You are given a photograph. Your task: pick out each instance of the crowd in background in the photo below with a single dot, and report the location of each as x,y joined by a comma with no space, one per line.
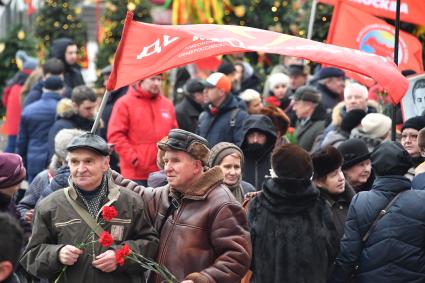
308,154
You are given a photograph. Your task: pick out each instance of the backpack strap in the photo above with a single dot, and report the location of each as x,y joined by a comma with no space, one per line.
380,215
233,116
84,214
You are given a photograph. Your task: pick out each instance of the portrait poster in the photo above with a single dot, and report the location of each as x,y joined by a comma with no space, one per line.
413,103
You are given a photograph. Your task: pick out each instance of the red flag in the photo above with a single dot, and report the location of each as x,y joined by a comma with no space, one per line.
411,11
353,28
147,49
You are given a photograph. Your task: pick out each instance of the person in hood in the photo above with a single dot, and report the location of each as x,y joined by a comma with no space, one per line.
80,116
293,236
259,138
139,120
391,250
66,50
247,77
222,121
311,116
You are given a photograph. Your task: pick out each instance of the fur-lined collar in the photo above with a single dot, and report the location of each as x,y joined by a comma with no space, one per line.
209,180
339,111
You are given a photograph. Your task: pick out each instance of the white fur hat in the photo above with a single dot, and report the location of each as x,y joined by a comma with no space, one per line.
276,79
376,125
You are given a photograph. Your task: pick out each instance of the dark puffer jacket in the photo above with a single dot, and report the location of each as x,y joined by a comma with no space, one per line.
257,161
395,250
293,237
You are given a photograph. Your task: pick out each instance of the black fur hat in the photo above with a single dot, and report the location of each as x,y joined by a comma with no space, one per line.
325,161
291,161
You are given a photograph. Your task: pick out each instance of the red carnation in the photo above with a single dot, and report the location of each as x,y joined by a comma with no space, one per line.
105,239
109,212
121,254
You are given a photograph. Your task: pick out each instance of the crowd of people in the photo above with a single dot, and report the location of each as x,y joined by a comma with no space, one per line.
289,179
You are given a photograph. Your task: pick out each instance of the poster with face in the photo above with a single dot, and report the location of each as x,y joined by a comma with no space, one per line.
413,103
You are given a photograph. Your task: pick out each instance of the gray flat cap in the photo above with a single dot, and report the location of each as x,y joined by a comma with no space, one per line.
89,141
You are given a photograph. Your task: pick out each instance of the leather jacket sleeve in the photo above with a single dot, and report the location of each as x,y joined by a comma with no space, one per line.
232,243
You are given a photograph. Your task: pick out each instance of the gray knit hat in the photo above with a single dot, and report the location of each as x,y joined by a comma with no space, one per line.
221,150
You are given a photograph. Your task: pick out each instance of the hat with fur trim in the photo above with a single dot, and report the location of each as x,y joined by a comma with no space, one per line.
221,150
325,161
182,140
290,161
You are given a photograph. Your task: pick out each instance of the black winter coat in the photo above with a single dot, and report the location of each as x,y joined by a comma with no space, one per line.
293,237
187,114
257,161
395,249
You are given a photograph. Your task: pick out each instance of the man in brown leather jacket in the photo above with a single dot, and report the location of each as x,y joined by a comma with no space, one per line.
204,231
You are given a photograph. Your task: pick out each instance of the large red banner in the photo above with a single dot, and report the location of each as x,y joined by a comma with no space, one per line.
411,11
147,49
353,28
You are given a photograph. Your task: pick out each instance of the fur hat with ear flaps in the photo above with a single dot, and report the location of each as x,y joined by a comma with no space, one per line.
290,161
325,161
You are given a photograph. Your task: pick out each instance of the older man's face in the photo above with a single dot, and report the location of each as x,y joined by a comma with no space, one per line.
87,168
180,168
355,100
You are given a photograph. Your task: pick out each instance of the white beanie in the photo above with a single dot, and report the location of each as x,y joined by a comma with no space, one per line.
276,79
376,125
249,94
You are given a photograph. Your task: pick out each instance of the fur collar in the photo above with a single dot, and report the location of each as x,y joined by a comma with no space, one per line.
339,111
209,180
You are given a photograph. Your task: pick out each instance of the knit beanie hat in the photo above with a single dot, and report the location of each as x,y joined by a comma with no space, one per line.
277,79
27,62
12,170
390,158
352,119
290,161
376,125
417,123
353,151
221,150
53,83
325,161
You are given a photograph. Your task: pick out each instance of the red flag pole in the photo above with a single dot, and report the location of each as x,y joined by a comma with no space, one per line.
396,40
100,111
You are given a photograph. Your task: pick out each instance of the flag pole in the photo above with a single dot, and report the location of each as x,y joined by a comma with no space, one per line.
311,20
99,113
396,40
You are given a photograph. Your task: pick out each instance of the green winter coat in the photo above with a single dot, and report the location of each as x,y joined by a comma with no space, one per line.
57,224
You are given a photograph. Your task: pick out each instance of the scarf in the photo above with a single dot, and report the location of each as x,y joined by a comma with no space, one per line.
94,199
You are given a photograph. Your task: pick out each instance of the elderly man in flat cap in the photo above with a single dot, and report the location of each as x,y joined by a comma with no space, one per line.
66,217
204,229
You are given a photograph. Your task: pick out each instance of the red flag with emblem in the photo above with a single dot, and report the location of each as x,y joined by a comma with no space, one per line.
147,49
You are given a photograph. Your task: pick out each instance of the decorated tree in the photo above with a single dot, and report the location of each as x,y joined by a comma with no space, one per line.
112,24
16,39
60,18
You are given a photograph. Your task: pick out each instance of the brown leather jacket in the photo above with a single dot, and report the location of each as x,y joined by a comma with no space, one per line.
207,238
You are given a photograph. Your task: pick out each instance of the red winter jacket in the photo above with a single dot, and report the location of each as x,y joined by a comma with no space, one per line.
137,123
12,103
